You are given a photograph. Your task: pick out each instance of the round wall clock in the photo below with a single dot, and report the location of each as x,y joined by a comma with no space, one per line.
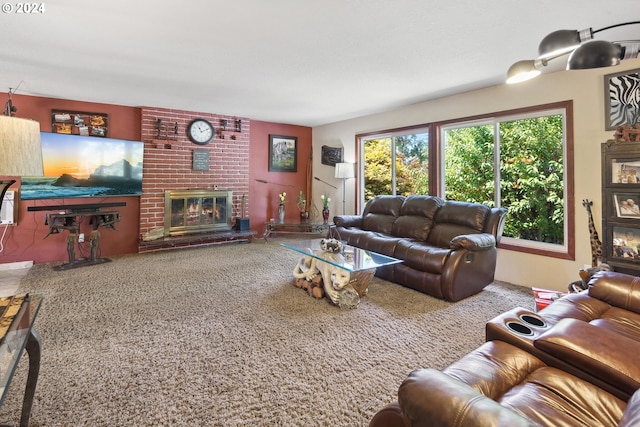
200,131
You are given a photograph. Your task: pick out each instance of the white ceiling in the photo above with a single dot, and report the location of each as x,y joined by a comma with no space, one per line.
304,62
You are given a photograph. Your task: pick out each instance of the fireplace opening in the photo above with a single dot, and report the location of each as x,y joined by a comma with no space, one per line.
197,211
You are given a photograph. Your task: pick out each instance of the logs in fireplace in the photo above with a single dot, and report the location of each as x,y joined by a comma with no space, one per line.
197,211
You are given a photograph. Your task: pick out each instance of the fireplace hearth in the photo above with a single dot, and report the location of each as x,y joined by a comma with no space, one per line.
197,211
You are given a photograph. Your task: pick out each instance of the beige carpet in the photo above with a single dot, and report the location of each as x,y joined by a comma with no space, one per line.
218,336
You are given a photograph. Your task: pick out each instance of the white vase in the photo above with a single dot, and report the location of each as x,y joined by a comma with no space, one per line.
281,213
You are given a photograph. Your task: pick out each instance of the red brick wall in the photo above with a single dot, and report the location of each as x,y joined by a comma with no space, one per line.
168,164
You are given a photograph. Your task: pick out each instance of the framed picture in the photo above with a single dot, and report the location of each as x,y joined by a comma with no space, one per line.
331,155
283,153
621,94
626,243
79,123
625,171
627,205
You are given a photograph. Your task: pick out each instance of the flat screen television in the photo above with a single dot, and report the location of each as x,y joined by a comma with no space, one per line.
84,166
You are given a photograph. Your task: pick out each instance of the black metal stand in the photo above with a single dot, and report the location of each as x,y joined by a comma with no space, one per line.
33,350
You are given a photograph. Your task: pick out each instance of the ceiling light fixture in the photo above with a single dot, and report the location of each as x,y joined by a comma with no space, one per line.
584,52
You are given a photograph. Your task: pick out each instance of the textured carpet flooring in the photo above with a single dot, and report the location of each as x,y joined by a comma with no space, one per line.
218,336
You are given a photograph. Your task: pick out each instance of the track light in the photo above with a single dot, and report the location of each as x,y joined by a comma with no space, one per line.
524,70
584,53
595,54
562,42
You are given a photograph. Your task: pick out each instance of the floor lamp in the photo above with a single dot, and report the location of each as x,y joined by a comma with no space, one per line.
344,171
20,150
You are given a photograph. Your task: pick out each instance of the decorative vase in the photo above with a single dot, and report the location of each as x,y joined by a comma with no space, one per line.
325,215
304,216
281,213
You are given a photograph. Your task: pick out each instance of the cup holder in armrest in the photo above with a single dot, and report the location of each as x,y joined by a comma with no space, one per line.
533,320
519,328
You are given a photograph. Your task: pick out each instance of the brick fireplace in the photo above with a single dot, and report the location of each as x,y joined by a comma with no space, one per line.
169,164
196,211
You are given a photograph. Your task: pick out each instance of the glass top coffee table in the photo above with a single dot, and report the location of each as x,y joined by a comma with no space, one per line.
346,274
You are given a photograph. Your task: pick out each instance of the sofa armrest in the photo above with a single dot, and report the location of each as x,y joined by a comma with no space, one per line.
606,355
495,222
429,397
348,221
473,242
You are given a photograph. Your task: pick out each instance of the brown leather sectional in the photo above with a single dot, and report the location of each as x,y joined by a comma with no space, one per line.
448,248
576,362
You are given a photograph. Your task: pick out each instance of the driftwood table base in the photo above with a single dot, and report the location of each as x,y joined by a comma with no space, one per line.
320,278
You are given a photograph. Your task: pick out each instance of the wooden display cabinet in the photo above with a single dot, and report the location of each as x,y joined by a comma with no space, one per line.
621,206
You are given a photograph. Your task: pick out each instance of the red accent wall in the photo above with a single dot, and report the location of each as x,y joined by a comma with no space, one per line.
264,197
28,241
234,164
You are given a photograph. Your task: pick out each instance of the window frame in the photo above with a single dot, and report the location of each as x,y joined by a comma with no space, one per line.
389,133
436,169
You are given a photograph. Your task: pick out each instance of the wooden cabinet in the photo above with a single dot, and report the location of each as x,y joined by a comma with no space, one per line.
621,206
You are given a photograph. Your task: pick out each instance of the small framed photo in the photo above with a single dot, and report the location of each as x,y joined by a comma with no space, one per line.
627,205
626,243
283,153
625,171
621,94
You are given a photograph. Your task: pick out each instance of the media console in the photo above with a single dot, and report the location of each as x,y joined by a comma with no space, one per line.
69,217
84,207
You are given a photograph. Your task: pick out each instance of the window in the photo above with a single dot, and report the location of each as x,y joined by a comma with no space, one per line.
521,160
396,163
515,161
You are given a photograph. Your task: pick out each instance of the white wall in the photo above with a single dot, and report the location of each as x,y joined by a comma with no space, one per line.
585,88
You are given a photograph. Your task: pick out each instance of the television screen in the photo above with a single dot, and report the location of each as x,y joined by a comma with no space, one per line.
83,166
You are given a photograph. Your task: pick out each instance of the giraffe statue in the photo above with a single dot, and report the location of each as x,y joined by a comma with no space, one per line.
596,244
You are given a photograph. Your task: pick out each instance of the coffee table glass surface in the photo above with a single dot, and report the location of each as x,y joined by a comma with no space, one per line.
353,259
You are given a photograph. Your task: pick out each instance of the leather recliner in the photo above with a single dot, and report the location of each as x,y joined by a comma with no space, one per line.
580,367
499,384
612,301
448,248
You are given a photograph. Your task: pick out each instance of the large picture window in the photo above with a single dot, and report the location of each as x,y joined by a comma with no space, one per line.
397,163
521,160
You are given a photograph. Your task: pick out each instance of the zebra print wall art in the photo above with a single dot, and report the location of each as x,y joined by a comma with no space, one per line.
622,99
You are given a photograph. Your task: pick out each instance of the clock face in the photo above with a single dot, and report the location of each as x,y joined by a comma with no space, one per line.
200,131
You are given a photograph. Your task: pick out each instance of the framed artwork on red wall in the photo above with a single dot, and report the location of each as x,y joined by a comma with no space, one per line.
283,153
79,123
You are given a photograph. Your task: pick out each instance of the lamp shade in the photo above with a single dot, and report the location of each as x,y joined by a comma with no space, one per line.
20,147
595,54
344,170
